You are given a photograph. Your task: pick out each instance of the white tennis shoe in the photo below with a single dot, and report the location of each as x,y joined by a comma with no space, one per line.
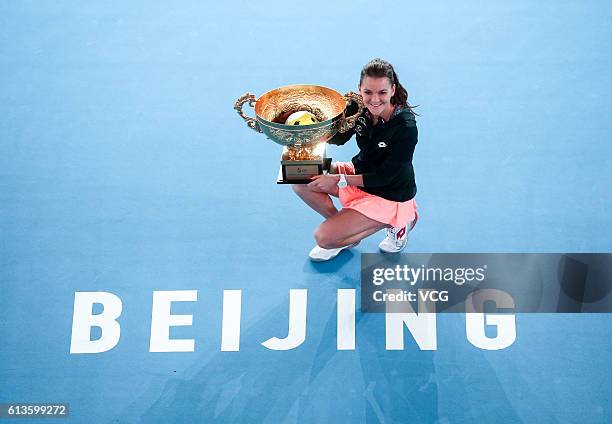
319,254
396,238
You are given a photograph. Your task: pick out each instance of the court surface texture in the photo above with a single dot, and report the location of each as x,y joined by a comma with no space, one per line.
125,169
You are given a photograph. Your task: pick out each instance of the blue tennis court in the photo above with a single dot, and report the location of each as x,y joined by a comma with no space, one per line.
124,169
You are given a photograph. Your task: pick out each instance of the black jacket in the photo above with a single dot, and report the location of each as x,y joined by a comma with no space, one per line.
385,154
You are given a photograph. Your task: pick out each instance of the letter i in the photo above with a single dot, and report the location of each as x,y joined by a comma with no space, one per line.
230,331
346,319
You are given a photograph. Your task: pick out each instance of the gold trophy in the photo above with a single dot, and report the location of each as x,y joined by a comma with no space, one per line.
301,118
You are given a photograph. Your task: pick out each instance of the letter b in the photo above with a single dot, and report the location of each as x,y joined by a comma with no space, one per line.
83,319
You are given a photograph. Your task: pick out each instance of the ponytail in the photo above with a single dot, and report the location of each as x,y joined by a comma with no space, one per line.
401,95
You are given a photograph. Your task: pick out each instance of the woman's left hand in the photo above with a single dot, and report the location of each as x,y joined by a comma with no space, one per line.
324,183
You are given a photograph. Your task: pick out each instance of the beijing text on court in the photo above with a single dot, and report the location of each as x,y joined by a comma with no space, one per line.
422,326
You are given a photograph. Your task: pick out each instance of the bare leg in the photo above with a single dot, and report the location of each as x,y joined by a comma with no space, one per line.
344,228
360,236
319,201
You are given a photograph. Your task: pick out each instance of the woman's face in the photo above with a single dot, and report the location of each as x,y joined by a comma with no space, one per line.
377,93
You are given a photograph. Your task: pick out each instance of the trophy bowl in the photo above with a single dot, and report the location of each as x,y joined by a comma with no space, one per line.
303,153
274,107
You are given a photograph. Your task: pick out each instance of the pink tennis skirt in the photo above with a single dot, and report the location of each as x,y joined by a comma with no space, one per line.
396,214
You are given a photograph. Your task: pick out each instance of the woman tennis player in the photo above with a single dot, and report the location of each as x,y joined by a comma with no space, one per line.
377,188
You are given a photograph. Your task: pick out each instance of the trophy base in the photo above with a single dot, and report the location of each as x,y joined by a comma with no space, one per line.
302,173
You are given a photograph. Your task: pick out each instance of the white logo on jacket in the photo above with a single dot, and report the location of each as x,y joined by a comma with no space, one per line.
382,144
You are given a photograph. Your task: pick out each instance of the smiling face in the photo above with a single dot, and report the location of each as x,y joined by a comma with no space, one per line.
377,94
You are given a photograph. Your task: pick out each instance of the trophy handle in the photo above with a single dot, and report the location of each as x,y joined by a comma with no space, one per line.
251,122
348,122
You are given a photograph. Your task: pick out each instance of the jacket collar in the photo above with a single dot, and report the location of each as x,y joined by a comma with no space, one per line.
396,112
